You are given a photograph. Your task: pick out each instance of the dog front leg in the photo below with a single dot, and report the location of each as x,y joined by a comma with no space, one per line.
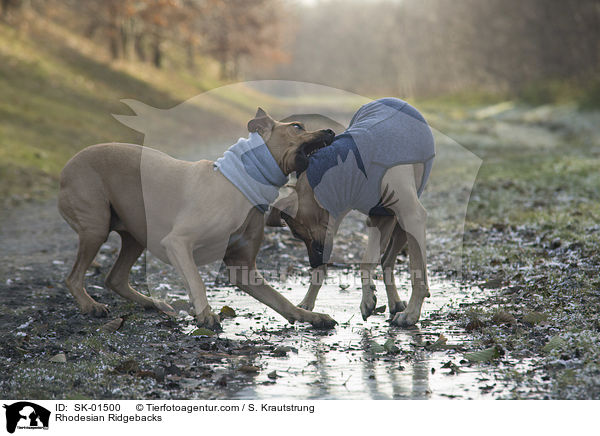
317,277
252,282
180,255
367,266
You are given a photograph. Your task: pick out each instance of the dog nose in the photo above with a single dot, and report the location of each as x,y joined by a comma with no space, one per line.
330,132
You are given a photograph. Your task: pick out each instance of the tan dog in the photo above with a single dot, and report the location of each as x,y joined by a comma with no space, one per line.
387,235
184,213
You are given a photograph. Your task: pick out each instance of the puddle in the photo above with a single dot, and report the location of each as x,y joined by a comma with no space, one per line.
341,364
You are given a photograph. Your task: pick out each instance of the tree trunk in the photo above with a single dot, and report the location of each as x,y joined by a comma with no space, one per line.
190,52
157,55
138,45
113,30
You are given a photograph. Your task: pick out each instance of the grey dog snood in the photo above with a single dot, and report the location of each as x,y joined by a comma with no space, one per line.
384,133
251,167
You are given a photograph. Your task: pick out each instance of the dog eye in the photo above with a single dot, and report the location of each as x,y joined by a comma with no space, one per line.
298,126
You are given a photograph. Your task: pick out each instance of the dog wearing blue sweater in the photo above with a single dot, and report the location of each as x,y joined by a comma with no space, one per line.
379,166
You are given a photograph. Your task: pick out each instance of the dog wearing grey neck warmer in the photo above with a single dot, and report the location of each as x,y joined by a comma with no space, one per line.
185,213
379,166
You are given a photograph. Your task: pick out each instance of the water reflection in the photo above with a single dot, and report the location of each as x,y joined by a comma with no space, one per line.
348,363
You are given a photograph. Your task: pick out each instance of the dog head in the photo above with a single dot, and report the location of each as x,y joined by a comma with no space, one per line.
307,220
289,143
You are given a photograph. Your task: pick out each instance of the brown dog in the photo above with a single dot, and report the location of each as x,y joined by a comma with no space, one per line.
184,213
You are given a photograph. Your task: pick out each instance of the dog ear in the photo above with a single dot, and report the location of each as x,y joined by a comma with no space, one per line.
261,124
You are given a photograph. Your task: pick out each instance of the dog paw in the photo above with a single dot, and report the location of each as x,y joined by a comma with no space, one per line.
164,307
397,307
208,319
404,319
367,304
96,309
323,321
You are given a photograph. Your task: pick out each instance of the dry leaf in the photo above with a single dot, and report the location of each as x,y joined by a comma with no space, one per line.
59,358
249,369
553,343
491,284
535,318
377,348
503,318
440,343
113,325
127,367
202,332
227,312
391,347
485,355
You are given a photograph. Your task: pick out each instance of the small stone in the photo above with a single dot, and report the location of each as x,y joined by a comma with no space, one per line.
272,375
222,381
249,369
281,351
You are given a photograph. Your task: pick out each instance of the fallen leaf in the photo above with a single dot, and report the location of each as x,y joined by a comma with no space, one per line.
281,351
491,284
502,317
554,343
113,325
201,331
380,309
534,318
391,347
249,369
227,312
129,366
377,348
439,343
454,369
484,355
59,358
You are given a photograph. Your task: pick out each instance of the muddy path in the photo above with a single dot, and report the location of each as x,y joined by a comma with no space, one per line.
258,355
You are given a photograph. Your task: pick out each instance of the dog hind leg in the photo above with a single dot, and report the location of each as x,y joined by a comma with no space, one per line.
118,277
380,229
89,216
89,244
388,261
411,216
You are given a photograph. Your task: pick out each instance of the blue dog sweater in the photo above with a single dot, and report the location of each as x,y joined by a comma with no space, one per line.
251,167
384,133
